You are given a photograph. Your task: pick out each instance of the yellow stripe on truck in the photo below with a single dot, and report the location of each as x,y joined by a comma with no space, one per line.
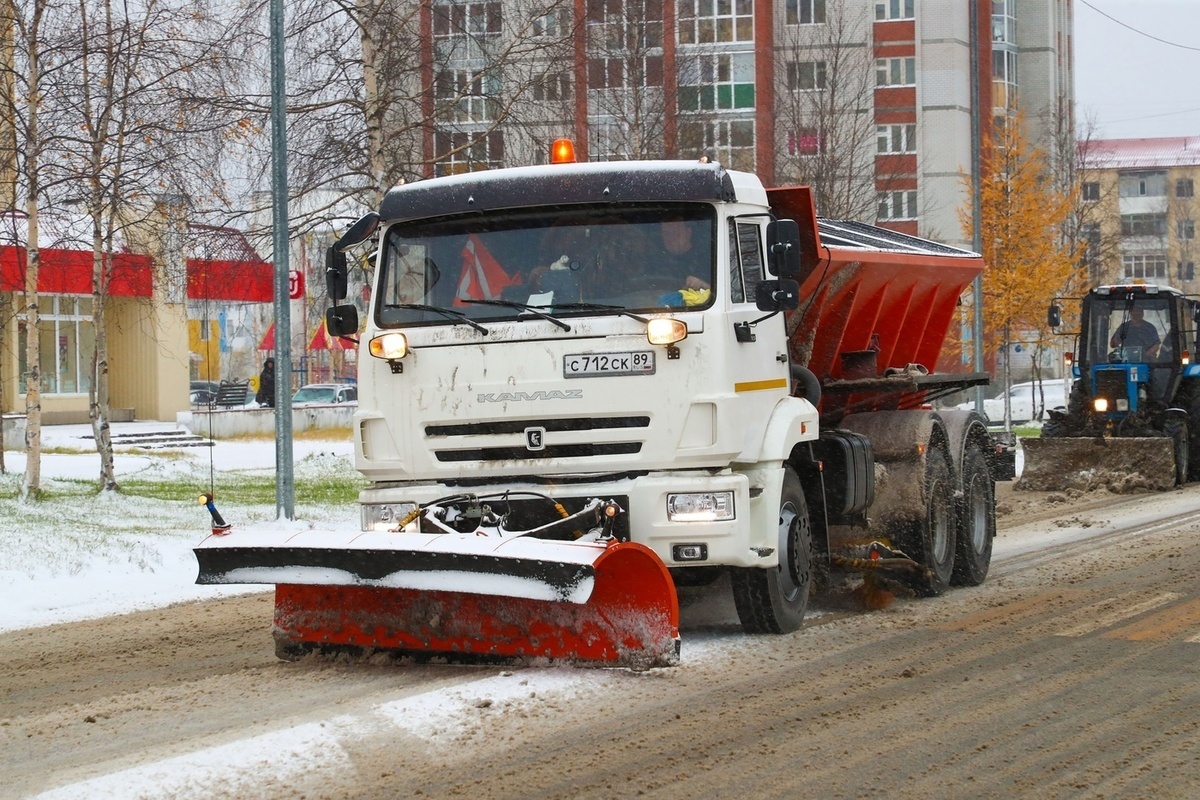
758,386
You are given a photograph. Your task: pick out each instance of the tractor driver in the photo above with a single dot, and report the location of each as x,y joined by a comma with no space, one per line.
1136,332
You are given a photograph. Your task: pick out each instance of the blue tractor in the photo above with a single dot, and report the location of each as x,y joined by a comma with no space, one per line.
1134,406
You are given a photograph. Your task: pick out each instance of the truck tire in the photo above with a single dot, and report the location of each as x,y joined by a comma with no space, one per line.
1193,409
774,600
931,541
976,516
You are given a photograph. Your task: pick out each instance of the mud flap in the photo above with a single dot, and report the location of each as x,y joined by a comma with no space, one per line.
1120,465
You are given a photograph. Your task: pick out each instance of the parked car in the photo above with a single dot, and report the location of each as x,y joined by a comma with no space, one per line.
1025,398
204,392
325,394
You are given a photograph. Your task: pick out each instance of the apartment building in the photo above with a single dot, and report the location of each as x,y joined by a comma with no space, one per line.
1140,197
870,101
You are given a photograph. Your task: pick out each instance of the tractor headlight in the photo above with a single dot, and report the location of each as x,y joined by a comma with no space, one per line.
386,516
1122,404
700,507
1101,405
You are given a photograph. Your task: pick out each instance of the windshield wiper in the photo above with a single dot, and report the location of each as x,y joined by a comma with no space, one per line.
534,310
600,307
459,317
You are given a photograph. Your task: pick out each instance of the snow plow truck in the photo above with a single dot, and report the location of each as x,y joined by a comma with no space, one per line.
1132,420
583,384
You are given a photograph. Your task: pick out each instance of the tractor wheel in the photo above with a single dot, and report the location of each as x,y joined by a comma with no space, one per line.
1180,444
1193,437
976,516
774,600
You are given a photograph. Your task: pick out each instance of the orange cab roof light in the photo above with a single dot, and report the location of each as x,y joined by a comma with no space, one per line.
562,152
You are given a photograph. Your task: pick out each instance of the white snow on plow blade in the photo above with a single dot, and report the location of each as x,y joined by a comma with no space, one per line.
433,580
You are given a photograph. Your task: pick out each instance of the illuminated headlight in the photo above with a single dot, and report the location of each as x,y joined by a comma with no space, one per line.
1122,405
385,516
665,330
1101,405
390,346
700,507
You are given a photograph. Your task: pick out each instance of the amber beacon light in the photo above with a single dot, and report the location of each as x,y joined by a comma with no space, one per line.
562,152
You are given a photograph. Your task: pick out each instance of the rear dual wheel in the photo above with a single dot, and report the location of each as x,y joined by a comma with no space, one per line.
774,600
932,541
976,513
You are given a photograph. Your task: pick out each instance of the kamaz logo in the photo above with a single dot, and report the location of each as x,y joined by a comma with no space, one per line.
520,397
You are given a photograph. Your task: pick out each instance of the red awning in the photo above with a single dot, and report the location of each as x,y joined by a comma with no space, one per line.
248,281
70,272
130,275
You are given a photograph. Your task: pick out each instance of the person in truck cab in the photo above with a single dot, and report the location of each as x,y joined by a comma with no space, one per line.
1137,332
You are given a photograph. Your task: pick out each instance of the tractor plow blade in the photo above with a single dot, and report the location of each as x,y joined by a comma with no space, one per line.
585,602
1120,465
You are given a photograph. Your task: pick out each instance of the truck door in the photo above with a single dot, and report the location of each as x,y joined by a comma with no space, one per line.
759,364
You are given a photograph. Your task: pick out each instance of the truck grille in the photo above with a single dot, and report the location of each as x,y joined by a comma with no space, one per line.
460,441
551,425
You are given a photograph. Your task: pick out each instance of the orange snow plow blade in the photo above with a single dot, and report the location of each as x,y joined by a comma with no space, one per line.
630,619
594,603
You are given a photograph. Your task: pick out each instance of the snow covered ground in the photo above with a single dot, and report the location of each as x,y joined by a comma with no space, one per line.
79,555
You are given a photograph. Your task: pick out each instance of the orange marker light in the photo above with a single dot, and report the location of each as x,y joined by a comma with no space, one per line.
562,152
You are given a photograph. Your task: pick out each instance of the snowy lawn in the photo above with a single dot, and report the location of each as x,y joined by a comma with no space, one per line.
80,554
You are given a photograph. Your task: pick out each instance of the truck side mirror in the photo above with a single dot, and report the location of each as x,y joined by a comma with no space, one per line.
783,248
341,320
781,295
335,274
1054,316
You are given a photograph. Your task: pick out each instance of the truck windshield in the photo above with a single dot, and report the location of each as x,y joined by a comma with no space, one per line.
632,257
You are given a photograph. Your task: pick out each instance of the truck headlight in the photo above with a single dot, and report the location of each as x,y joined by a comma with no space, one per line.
700,507
386,516
666,330
389,346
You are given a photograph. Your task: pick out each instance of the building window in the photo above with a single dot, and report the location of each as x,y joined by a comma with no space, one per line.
717,82
805,12
896,138
1186,229
896,72
550,24
703,21
552,86
898,205
459,152
1187,270
66,341
805,75
1143,184
469,95
893,9
1145,265
1184,188
1090,192
476,19
1143,224
1004,22
806,142
731,142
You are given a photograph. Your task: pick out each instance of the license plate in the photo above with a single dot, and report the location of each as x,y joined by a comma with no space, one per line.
588,365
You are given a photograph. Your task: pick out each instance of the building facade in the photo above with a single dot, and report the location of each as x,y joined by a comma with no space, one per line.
871,102
1140,197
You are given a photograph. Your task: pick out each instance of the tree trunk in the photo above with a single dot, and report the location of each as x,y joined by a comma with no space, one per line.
98,403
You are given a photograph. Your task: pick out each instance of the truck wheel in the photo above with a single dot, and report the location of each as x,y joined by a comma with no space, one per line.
976,513
774,600
1193,438
932,541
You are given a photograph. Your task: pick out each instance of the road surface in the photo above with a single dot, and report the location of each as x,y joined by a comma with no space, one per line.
1072,672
